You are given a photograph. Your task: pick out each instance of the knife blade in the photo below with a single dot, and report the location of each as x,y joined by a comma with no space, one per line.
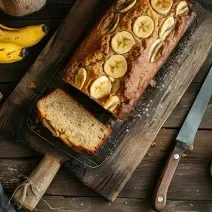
184,141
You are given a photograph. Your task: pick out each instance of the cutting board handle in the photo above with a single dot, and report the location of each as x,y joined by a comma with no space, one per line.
29,193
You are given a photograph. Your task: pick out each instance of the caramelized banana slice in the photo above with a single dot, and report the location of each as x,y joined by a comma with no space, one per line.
80,78
162,6
156,46
112,103
143,27
125,6
115,66
113,24
116,84
50,127
166,27
100,87
182,7
122,42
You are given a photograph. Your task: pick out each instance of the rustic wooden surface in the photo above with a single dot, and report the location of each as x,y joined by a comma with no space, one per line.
191,189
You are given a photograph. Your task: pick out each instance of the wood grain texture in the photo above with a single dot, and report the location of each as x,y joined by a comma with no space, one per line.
192,178
86,204
11,149
110,178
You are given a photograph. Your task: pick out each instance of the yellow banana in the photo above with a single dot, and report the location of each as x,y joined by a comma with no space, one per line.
10,52
25,37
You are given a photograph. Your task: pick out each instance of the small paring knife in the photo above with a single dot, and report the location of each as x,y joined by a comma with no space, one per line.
184,141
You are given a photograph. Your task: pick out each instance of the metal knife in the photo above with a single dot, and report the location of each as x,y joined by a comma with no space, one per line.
184,141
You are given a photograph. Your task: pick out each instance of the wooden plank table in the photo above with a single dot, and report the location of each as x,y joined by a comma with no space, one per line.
191,188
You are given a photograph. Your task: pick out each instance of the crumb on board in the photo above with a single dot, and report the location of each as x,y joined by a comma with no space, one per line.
32,85
153,144
153,83
185,156
177,62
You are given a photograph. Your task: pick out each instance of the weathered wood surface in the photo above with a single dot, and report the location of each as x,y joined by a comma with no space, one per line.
86,204
192,179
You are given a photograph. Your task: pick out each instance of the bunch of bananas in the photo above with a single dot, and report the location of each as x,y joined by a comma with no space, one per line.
13,41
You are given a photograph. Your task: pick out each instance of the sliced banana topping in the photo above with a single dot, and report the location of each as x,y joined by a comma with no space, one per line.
115,66
162,6
156,46
182,7
143,26
122,42
113,24
111,79
115,86
125,6
80,78
166,27
50,127
112,103
100,87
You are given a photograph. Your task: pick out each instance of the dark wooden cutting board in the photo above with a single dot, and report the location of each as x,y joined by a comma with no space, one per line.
112,175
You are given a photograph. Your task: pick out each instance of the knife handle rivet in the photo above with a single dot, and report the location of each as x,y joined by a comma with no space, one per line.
160,199
176,156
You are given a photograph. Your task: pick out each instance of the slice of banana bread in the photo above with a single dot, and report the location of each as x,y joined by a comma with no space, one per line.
70,122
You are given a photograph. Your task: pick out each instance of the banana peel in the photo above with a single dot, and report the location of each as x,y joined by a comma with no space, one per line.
24,37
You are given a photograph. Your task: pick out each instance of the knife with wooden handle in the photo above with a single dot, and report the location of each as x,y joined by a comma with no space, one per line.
184,141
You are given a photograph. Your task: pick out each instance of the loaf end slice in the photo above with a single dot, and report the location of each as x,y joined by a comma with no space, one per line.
72,123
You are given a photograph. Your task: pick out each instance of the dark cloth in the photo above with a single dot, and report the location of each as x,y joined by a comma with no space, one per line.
4,206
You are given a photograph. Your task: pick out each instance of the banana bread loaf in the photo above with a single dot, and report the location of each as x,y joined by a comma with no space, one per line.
124,51
70,122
